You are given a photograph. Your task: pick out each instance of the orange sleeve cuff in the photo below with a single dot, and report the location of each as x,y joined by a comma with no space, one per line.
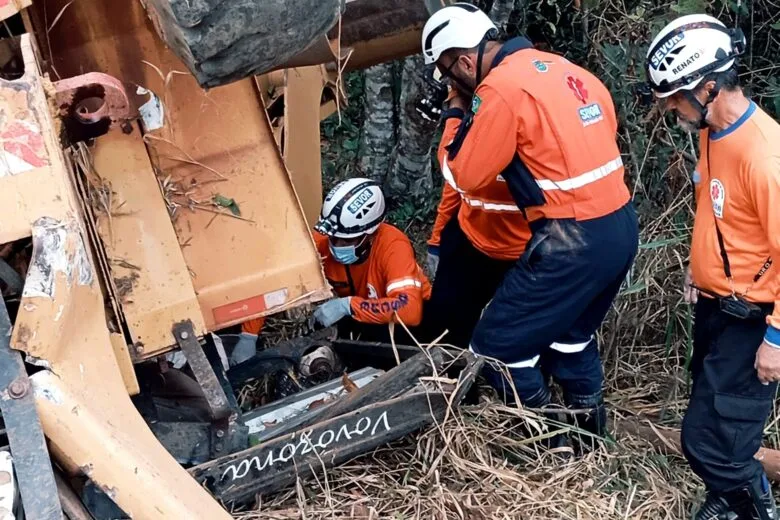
408,305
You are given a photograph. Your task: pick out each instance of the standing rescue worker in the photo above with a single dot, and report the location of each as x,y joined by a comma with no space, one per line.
547,129
736,344
475,241
370,264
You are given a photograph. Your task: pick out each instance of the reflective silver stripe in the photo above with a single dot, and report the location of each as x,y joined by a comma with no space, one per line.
490,206
571,348
400,284
528,363
583,179
447,174
471,201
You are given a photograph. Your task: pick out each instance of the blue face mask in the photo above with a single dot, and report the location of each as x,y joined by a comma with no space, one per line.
344,254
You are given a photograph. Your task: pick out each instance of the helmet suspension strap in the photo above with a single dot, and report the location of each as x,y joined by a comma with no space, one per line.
480,54
703,108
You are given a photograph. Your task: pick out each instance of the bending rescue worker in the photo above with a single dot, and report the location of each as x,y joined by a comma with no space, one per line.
546,129
370,264
736,344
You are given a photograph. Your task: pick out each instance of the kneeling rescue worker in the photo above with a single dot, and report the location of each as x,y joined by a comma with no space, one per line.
691,67
547,128
370,264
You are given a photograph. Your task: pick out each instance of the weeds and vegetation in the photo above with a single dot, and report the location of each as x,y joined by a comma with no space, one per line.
479,466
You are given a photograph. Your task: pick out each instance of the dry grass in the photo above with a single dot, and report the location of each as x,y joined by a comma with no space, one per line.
480,464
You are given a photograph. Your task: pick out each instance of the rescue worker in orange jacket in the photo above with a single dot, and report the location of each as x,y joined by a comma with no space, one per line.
370,264
547,128
471,248
691,67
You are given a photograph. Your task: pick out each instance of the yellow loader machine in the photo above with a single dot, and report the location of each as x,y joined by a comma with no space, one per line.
159,176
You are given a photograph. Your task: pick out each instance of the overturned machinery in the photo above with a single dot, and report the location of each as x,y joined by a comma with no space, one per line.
154,214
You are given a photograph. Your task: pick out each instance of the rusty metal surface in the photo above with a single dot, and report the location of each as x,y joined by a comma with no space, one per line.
28,446
213,143
151,278
201,367
378,31
90,104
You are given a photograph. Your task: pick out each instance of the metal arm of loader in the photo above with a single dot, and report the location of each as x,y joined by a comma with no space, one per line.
28,446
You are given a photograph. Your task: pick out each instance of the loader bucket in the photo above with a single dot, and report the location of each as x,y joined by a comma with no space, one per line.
239,246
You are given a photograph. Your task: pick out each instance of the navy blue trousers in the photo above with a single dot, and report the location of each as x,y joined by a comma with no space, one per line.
544,316
465,281
729,406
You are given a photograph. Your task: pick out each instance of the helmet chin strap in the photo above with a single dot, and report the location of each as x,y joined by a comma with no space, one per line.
363,249
463,85
703,108
480,55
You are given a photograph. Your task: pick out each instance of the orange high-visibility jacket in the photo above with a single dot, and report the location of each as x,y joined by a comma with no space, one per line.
254,326
738,183
559,119
389,281
497,228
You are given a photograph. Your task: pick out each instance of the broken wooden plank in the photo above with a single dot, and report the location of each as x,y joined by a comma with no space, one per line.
400,379
278,463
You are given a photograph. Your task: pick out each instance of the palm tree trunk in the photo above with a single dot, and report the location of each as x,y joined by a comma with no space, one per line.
410,174
378,136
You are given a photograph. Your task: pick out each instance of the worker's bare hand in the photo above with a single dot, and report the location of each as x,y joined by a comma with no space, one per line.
768,363
690,294
458,101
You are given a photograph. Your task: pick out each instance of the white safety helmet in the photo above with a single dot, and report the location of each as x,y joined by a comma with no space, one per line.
688,49
354,207
457,26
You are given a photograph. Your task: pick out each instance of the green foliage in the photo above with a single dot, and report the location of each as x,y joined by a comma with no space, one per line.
683,7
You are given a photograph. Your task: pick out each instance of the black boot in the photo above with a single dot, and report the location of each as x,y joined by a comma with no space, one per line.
591,418
557,420
764,507
751,502
554,420
715,507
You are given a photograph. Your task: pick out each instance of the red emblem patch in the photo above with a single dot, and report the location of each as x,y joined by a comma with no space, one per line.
578,87
715,191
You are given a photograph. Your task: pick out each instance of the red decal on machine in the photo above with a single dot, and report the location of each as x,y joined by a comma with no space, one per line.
236,311
23,148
